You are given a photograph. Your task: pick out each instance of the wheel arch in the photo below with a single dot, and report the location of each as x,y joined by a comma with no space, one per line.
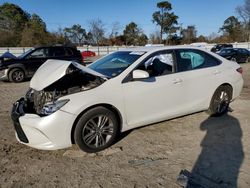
212,94
108,106
228,85
17,66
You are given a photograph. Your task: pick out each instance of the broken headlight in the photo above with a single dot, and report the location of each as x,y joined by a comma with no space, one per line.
52,107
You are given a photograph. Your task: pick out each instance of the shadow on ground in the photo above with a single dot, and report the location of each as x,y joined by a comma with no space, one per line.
222,154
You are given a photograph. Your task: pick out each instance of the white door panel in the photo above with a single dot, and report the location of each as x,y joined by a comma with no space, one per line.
153,100
199,85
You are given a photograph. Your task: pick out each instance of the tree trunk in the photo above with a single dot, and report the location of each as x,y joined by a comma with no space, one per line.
161,33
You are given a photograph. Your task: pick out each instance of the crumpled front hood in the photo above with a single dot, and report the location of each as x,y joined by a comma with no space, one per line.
53,70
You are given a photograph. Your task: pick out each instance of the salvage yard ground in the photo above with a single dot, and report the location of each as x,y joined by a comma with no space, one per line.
216,150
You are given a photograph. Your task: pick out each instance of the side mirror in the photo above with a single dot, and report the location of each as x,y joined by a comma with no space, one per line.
140,74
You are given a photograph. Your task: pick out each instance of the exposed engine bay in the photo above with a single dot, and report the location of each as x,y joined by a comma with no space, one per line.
75,80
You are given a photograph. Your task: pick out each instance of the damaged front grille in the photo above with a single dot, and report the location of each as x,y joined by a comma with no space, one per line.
40,98
73,82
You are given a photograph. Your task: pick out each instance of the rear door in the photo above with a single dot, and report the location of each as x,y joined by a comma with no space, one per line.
58,53
64,53
200,73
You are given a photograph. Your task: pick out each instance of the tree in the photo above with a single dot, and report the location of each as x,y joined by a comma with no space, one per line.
244,14
189,34
232,28
201,38
18,27
115,31
76,33
155,38
12,21
166,19
131,33
13,17
142,39
34,32
97,30
134,35
89,38
58,37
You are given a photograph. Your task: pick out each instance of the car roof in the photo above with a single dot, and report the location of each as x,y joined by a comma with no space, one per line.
36,47
158,48
241,48
229,48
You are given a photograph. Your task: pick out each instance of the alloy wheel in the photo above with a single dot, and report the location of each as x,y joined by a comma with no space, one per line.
221,102
18,76
97,131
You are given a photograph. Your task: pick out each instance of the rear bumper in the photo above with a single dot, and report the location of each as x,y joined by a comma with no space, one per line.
238,86
48,133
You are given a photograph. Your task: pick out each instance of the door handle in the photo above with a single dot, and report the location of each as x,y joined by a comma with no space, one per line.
217,72
177,81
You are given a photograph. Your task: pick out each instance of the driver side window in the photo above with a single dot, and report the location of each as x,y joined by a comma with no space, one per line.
39,53
159,64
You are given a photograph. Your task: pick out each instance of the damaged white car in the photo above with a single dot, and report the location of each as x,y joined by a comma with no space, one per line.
89,106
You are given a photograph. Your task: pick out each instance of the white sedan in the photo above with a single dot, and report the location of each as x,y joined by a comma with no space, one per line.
89,106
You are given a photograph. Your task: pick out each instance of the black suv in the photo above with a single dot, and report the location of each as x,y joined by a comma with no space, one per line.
219,47
24,66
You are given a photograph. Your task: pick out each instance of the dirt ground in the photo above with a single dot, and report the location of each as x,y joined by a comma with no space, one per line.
215,150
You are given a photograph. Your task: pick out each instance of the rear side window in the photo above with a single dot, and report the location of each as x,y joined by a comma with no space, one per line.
58,52
244,51
68,52
191,59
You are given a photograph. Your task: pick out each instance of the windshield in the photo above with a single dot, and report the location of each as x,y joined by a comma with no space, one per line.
115,63
25,53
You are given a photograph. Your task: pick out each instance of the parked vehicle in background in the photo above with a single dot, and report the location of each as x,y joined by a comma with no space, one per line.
87,54
239,55
24,66
126,89
7,55
199,44
219,47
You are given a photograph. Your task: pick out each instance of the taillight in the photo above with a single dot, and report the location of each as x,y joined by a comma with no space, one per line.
240,70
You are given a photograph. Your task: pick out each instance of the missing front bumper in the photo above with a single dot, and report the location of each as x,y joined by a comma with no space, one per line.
17,111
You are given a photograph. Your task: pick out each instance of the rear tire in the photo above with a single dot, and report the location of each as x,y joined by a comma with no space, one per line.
233,59
220,101
16,75
96,130
248,60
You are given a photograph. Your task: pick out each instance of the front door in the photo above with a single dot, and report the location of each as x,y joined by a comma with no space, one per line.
156,98
35,59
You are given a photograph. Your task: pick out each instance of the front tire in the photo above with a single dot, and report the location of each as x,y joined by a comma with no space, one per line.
220,101
16,75
96,130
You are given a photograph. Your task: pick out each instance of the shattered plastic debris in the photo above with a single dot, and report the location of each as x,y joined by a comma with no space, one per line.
183,177
187,179
146,161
